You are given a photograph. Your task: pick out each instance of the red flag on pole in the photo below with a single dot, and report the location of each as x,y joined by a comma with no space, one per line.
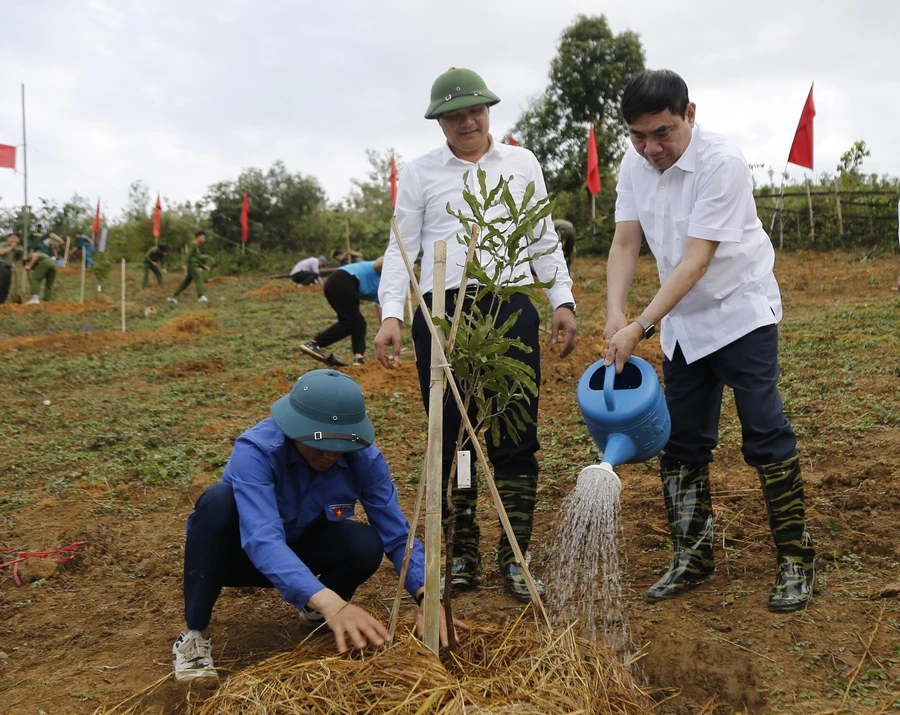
7,157
802,148
245,218
512,141
157,216
593,164
393,183
97,220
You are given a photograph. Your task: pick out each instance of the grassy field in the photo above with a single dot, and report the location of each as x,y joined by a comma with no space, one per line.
108,436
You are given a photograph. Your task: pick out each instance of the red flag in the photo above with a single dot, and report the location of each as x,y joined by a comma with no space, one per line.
593,164
157,216
245,218
7,157
97,220
802,147
393,183
512,141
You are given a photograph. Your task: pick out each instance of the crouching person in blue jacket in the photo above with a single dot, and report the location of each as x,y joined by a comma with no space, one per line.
281,517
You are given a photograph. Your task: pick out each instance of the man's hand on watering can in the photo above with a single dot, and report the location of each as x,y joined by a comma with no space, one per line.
614,323
621,346
564,322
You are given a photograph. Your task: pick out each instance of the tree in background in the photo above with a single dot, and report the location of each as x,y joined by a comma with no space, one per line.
587,78
368,205
286,215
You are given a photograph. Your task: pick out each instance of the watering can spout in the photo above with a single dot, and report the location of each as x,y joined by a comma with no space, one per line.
599,474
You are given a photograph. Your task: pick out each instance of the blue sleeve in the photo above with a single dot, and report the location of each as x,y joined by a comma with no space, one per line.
252,478
379,499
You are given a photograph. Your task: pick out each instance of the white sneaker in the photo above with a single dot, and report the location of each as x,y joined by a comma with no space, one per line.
172,300
192,657
35,300
202,299
311,617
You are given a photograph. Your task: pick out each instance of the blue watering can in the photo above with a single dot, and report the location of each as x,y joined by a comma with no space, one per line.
626,414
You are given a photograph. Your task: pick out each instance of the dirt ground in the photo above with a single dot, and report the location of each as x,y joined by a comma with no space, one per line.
98,630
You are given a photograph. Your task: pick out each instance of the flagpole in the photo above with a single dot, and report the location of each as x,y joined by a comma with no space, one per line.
26,214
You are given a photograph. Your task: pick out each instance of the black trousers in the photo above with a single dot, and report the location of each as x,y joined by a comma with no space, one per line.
305,278
5,280
342,294
749,366
343,554
508,458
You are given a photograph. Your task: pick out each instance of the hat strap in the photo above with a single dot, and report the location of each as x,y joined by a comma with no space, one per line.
316,436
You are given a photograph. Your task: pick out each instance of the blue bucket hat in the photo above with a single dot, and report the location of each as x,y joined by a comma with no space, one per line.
325,410
322,259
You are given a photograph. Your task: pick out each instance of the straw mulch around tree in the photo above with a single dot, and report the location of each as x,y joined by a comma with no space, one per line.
520,669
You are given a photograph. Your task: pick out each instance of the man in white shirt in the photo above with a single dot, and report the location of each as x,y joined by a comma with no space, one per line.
690,192
306,271
460,103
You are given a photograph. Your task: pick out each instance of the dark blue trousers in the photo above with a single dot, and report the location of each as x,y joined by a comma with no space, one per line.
508,458
343,554
749,366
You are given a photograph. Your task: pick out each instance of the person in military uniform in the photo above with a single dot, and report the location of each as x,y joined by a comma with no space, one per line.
460,103
566,232
152,260
690,192
196,264
43,269
10,251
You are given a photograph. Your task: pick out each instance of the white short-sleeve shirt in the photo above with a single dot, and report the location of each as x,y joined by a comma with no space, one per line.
310,264
706,194
432,182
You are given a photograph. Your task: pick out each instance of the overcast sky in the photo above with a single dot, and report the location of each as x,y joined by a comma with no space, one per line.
184,94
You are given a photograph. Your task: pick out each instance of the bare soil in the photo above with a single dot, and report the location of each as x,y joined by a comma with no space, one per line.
99,629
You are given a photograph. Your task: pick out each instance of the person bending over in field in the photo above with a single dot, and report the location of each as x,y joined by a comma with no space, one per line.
282,518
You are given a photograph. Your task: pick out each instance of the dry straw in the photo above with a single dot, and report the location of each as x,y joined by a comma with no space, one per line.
519,669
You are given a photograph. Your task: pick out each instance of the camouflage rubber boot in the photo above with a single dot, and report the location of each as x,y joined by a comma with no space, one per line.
783,490
518,493
689,508
466,561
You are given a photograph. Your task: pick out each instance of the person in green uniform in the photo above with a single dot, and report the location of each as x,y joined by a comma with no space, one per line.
43,268
152,260
196,264
566,232
9,252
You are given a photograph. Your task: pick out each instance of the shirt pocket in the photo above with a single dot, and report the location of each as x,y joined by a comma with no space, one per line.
340,511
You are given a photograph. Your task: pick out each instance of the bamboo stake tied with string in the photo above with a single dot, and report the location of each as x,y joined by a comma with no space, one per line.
123,295
470,430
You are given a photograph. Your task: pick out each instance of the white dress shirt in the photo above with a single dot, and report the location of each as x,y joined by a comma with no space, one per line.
307,264
432,181
706,194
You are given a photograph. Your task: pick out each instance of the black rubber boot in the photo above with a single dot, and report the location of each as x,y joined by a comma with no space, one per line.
783,489
689,508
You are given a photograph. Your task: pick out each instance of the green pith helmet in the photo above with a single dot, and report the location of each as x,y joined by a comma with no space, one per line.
458,88
325,410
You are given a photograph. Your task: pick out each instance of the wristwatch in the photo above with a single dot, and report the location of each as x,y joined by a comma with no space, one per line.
648,327
569,306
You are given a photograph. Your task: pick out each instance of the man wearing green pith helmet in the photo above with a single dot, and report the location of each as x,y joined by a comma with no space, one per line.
460,102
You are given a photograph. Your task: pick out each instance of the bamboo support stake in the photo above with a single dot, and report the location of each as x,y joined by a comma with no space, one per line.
347,237
837,201
812,223
479,452
434,459
409,305
66,254
83,269
123,295
454,328
410,537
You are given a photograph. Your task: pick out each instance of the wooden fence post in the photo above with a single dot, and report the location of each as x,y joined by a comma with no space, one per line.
837,199
812,222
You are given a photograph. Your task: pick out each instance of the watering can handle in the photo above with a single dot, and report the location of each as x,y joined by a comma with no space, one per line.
608,392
